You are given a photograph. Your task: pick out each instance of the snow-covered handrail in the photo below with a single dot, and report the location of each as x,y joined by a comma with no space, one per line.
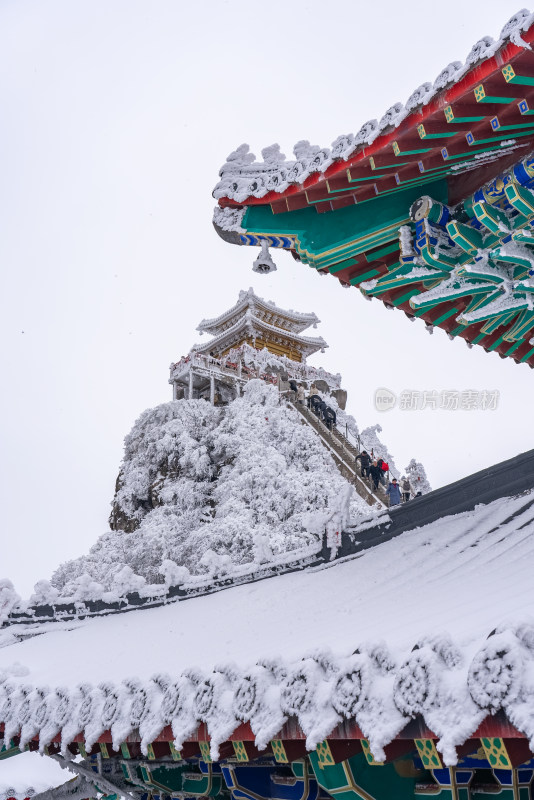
254,364
346,462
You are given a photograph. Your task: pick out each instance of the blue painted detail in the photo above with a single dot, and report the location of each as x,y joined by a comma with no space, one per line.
247,783
495,124
504,776
470,138
463,777
205,768
444,776
444,216
524,172
444,153
474,761
523,107
421,166
283,242
268,781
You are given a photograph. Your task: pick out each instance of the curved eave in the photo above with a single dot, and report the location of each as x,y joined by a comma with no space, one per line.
384,143
299,321
307,344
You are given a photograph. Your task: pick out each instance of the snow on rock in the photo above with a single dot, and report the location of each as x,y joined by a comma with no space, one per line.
202,491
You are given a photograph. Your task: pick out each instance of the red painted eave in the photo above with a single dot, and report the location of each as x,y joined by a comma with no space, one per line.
478,74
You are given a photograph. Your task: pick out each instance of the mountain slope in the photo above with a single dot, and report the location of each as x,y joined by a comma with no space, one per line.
210,488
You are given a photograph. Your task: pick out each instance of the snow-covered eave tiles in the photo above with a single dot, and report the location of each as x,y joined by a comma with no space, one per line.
245,181
300,321
308,343
449,653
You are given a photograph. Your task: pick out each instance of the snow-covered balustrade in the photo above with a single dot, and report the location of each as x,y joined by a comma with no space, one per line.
254,338
246,362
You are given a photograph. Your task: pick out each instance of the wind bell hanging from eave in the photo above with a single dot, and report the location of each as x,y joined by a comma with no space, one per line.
264,263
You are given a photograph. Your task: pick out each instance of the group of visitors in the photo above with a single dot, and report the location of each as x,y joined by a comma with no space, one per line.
315,403
376,470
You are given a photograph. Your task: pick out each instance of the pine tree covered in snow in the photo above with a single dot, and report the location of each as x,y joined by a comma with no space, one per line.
415,472
204,489
371,443
8,598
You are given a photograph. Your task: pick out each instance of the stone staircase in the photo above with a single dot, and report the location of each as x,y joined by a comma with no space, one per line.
344,454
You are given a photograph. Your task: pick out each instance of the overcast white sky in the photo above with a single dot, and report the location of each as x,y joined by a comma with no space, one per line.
115,118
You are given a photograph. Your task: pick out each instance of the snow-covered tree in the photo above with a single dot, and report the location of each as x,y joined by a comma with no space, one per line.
125,581
415,472
43,594
9,598
371,443
173,573
239,485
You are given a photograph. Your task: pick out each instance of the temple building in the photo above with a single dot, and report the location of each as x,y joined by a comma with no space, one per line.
430,209
399,664
253,339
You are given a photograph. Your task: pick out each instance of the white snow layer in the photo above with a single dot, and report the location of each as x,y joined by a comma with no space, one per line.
437,622
212,490
28,774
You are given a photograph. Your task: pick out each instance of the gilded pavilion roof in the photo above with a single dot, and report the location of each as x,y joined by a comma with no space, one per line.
263,309
252,326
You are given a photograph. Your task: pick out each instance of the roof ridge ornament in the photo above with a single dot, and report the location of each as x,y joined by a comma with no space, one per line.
514,27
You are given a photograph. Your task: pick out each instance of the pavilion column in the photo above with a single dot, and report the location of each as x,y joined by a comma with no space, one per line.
174,390
190,396
212,388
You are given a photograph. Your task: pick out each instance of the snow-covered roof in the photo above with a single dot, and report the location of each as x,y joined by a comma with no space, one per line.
287,318
251,324
243,177
433,587
27,774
